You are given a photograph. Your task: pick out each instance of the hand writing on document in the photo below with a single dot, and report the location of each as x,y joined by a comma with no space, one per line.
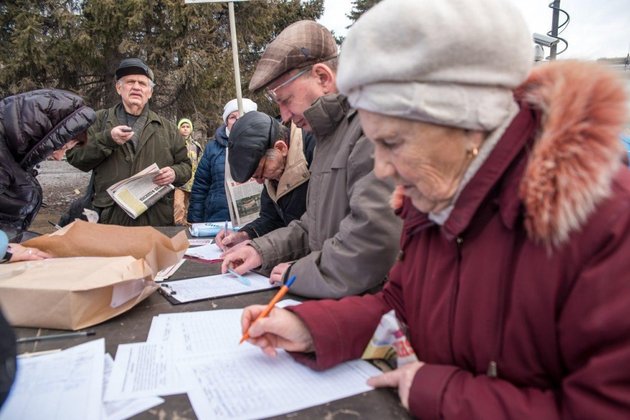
226,240
241,258
281,329
400,378
278,272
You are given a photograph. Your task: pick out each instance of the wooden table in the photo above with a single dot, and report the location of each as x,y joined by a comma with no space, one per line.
133,326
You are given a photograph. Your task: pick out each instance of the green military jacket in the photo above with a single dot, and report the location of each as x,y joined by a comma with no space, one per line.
159,143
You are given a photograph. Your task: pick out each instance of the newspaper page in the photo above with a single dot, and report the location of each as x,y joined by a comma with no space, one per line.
137,193
243,198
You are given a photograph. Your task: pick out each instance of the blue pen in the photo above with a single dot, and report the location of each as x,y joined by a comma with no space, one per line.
226,227
240,278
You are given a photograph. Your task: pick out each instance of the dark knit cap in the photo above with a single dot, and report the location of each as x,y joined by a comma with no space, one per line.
250,138
133,66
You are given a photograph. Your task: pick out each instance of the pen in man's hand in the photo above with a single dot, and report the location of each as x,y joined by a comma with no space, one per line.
225,229
283,291
55,336
240,278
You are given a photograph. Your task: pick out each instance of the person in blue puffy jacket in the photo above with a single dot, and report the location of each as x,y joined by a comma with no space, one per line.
208,202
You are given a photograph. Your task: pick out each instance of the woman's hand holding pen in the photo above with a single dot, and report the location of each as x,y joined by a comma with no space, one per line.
281,329
227,239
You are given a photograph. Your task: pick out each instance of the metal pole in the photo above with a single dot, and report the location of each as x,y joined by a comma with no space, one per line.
237,69
554,28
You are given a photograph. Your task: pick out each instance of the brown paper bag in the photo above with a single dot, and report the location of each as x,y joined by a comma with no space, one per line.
108,270
83,239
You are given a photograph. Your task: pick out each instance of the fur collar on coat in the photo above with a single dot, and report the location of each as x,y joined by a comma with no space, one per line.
577,150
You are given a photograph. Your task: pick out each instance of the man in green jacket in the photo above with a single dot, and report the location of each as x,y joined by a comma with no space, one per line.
127,138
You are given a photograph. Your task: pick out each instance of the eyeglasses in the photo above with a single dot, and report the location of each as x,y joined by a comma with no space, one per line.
271,93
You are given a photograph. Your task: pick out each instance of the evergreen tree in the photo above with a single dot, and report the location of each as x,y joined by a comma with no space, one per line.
359,7
77,45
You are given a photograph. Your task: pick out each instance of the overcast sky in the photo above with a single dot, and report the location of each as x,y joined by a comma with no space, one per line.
598,28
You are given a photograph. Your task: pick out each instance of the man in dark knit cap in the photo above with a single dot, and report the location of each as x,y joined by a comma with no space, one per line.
126,139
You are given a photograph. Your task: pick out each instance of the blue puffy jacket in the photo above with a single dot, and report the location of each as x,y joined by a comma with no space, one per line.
208,202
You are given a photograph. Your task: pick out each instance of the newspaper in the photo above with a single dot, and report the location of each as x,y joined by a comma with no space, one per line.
137,193
243,198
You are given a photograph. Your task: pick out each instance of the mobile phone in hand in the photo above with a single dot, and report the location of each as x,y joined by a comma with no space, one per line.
126,129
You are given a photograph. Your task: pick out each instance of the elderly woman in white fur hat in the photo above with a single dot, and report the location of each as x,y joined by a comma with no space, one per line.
514,278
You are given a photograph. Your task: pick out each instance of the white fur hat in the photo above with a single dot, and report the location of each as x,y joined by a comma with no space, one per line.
448,62
248,105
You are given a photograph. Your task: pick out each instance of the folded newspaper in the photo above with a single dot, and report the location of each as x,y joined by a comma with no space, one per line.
243,198
137,193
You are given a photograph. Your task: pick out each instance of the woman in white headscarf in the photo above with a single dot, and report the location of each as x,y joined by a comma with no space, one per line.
513,281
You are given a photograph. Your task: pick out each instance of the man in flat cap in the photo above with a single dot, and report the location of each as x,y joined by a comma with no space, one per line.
127,138
347,240
262,148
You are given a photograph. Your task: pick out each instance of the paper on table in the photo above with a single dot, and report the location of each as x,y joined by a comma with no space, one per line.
124,409
250,384
220,372
63,385
207,287
143,370
189,333
206,252
168,271
199,241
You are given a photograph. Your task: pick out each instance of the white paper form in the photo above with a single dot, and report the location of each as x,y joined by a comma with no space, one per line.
199,241
223,375
64,385
123,409
143,370
250,384
206,252
206,287
190,333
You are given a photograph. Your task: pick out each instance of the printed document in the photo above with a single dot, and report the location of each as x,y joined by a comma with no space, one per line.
222,378
205,252
124,409
143,370
64,385
137,193
207,287
250,384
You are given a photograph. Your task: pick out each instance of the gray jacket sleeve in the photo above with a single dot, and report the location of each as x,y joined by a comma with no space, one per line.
362,251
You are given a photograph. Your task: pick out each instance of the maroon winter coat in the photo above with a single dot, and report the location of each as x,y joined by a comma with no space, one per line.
531,270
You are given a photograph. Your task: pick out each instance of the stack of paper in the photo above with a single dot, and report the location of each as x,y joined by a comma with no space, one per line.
69,385
199,352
